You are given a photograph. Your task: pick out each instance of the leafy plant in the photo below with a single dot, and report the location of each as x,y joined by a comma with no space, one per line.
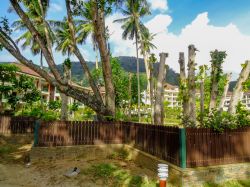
222,120
54,105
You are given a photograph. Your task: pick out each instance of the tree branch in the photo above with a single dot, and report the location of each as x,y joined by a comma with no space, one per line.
83,95
47,54
79,55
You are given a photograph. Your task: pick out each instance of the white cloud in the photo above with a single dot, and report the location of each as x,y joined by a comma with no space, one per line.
161,5
159,23
122,47
54,7
199,32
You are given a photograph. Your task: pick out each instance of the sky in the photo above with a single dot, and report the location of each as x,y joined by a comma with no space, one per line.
208,24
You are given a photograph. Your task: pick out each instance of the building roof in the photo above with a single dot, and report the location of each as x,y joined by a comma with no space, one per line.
26,70
170,86
23,69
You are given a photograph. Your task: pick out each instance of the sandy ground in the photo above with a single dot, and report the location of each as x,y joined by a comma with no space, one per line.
46,173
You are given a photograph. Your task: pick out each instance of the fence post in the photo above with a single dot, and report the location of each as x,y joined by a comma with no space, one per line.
183,150
36,131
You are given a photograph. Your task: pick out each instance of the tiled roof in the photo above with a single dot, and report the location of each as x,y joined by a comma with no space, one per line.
24,69
170,86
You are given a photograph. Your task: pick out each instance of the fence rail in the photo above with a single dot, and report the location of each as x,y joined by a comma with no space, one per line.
160,141
206,147
188,147
16,125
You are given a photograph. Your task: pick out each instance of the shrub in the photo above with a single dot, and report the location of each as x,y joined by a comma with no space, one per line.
222,120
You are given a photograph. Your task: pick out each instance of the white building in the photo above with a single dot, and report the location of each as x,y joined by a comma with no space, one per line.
245,100
171,93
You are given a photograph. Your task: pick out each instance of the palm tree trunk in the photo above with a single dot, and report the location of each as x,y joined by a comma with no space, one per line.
224,95
244,74
138,77
191,85
1,99
40,79
64,97
151,92
159,96
99,31
96,59
130,96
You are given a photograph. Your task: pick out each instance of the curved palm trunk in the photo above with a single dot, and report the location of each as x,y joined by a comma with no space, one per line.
40,79
159,96
224,95
99,31
244,74
138,78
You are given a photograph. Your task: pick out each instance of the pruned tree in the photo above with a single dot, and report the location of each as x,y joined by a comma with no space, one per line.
217,59
152,60
224,94
202,76
237,92
65,98
191,85
159,95
183,94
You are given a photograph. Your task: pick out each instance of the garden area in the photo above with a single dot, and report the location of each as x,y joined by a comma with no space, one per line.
67,121
114,169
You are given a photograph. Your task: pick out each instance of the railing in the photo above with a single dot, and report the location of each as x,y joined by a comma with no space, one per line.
188,147
160,141
16,125
206,147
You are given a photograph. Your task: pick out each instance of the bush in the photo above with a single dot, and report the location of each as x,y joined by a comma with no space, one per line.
222,120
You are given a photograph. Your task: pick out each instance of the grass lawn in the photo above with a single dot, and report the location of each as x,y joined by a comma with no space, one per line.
233,183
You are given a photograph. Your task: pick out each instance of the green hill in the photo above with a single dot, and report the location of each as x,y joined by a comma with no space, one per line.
128,64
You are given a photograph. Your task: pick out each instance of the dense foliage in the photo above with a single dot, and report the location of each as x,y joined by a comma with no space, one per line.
219,121
15,89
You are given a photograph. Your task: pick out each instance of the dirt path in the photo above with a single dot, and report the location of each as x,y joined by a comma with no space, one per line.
51,173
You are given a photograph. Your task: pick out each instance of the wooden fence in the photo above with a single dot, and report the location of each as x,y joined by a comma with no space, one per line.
16,125
183,147
206,147
160,141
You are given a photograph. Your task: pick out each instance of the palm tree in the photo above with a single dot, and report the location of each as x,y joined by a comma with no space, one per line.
86,27
35,14
145,46
65,45
133,29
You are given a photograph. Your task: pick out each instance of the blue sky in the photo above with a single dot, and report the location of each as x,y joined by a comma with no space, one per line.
178,23
221,13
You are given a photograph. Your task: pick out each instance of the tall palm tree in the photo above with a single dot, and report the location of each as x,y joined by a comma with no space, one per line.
133,28
145,46
34,11
86,27
65,45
